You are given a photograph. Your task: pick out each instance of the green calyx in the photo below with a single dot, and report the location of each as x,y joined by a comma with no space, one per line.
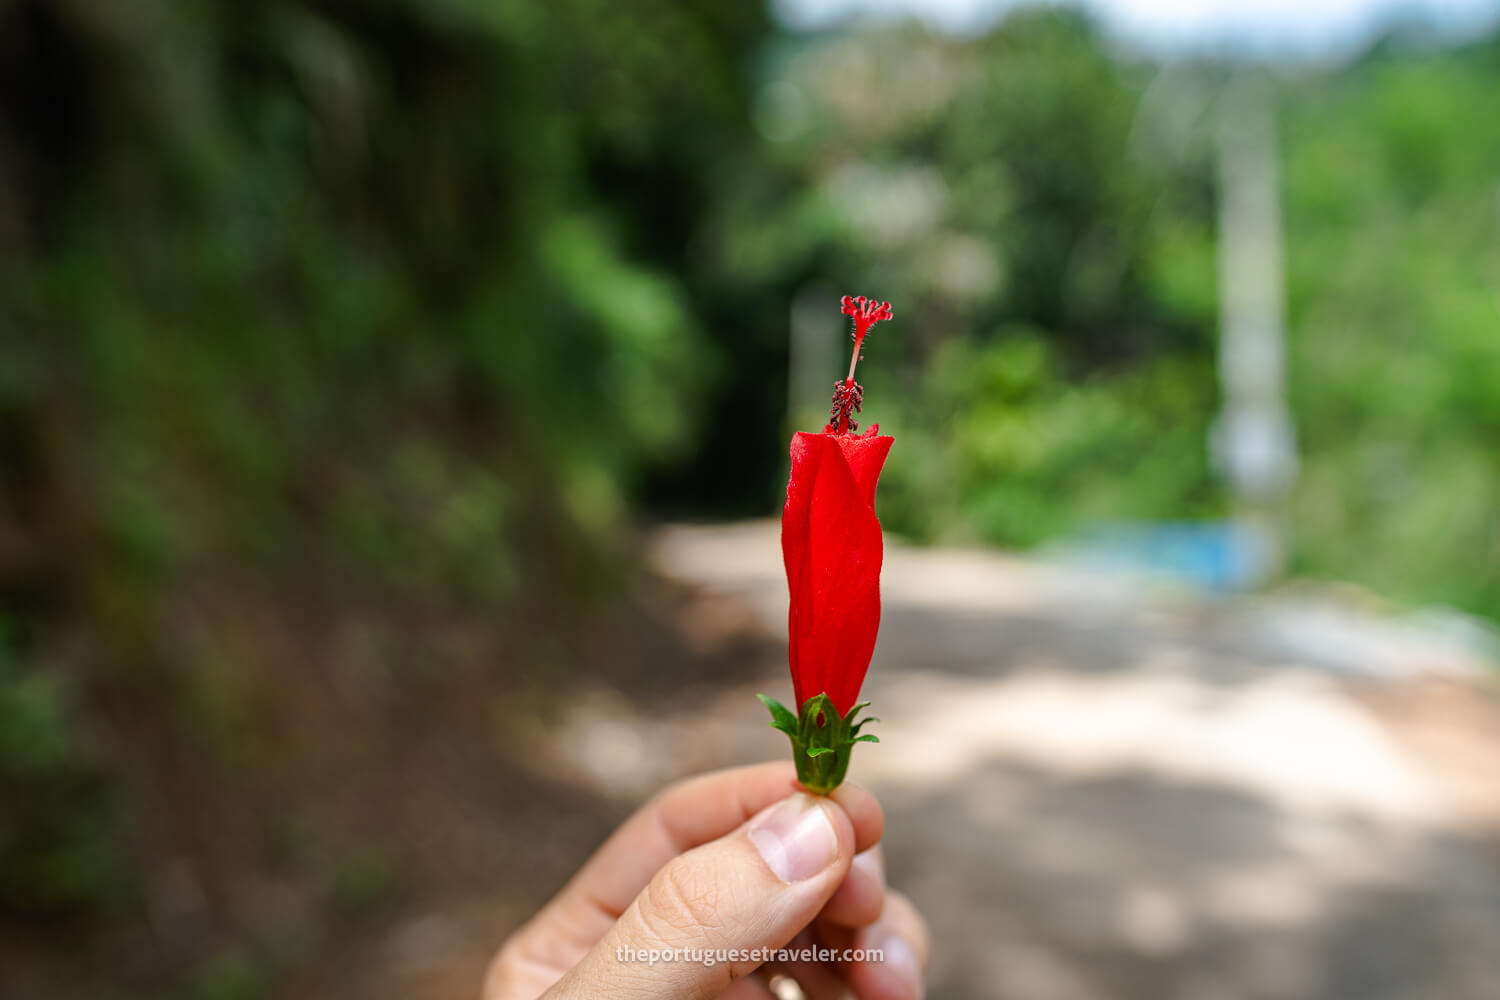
821,739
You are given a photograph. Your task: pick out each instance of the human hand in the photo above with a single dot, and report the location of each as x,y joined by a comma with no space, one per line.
731,861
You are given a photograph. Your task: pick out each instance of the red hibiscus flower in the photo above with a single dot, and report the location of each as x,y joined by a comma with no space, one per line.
831,544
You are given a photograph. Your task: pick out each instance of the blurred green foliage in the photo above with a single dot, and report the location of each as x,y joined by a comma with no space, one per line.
356,311
1393,235
230,976
1043,214
55,849
405,305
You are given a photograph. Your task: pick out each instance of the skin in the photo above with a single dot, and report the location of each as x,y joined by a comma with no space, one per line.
684,872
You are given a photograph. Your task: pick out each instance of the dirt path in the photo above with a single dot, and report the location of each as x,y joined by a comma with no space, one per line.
1094,789
1097,790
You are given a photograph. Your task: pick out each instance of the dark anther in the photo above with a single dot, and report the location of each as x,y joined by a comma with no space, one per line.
848,399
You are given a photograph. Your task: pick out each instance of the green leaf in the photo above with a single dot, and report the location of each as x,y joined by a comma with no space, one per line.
818,751
861,722
867,738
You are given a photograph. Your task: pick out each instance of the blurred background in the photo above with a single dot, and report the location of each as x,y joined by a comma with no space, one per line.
394,399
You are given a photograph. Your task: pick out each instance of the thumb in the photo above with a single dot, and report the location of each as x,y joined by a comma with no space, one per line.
697,925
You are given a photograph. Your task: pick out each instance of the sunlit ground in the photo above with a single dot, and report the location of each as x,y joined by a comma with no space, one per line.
1101,788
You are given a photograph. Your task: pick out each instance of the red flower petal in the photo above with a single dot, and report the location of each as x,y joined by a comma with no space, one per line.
831,544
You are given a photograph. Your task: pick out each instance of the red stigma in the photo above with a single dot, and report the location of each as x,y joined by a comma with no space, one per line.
866,313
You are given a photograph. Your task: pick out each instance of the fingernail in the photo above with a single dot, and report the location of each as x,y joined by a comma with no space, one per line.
899,961
796,838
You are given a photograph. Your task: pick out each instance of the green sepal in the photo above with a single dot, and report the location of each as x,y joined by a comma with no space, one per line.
781,716
821,739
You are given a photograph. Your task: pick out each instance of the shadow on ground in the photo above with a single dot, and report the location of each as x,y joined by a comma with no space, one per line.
1095,789
1092,789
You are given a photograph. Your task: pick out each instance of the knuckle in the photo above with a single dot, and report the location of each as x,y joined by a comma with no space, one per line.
683,898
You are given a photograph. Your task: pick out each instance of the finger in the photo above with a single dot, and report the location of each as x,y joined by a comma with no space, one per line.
810,980
694,812
900,935
682,816
749,988
746,892
858,902
813,981
677,819
864,812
